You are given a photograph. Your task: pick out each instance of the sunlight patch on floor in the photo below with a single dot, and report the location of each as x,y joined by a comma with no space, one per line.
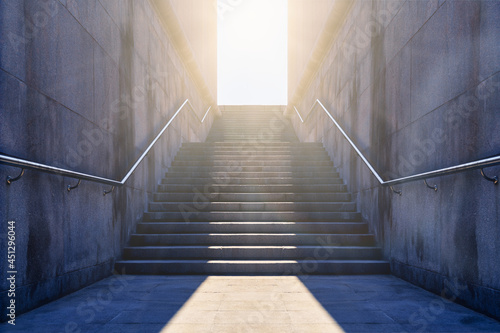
252,304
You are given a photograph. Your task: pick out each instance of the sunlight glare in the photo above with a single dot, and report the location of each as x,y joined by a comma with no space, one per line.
252,52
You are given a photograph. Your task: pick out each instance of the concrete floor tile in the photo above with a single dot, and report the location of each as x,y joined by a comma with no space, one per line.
203,306
91,312
145,317
448,328
207,297
191,316
252,328
360,317
318,316
153,306
256,317
213,288
31,327
255,305
247,296
300,306
186,328
173,296
297,297
318,288
373,328
251,288
351,306
317,328
125,328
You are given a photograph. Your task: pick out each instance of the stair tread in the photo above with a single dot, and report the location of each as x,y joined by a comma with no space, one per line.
333,261
251,234
256,222
261,203
161,247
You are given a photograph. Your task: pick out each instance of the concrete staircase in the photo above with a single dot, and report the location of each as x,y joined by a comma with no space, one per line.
252,200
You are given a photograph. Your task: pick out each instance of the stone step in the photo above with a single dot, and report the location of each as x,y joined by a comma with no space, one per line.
234,151
191,214
252,163
252,227
251,129
248,140
250,181
250,126
254,267
252,239
259,133
266,121
213,146
237,174
247,156
222,144
248,134
221,188
252,252
270,121
253,115
262,117
258,117
204,196
252,142
200,169
236,206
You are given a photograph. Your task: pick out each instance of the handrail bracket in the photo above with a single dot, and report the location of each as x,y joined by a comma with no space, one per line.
435,187
73,187
396,191
109,191
10,180
494,180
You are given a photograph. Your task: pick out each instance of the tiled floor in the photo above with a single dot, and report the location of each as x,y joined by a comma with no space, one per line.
252,304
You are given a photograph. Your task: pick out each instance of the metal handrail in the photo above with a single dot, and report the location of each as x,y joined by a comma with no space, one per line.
25,164
478,164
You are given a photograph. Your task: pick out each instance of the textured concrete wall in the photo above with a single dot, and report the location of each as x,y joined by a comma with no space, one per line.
84,85
416,84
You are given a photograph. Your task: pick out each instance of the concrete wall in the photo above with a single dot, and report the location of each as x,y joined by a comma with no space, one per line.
84,85
416,84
